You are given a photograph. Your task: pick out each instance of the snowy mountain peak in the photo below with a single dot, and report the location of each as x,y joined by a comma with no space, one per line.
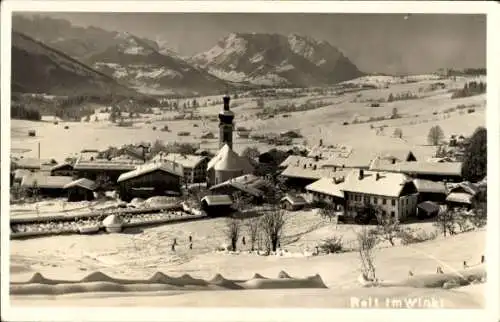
259,57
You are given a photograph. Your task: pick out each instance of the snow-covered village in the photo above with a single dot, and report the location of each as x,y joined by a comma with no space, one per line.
271,169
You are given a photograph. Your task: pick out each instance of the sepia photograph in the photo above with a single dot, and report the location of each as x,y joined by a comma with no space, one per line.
328,160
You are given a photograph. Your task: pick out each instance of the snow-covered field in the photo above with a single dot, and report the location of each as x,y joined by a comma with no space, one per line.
139,254
418,116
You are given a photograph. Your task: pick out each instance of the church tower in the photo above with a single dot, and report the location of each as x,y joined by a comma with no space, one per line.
226,125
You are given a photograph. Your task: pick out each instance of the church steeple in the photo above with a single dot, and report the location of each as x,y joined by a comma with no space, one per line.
226,117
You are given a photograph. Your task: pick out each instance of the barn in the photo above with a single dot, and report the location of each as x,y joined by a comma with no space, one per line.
149,180
217,205
44,185
81,189
291,202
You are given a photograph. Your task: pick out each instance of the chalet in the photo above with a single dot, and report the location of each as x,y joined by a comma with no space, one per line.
148,180
393,194
462,195
226,165
248,185
81,189
194,167
434,171
293,202
100,169
63,169
45,185
217,205
431,190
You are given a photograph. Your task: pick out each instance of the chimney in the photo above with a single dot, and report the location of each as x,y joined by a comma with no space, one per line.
361,174
226,100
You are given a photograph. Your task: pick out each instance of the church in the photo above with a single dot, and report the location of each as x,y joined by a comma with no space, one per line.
227,164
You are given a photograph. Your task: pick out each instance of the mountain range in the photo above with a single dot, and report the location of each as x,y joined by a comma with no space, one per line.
114,59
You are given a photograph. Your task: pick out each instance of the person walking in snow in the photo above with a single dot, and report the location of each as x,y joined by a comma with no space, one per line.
190,238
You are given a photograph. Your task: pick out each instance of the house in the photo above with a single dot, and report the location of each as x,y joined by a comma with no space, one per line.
194,167
81,189
431,190
307,171
45,185
248,185
393,193
327,191
148,180
394,156
434,171
390,194
217,205
427,209
462,195
293,202
89,165
63,169
226,165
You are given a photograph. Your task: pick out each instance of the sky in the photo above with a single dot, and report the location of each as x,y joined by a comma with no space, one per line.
385,43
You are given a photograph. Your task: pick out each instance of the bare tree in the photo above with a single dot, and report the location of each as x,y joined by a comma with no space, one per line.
435,136
272,224
253,231
366,248
241,202
233,231
328,211
446,220
388,229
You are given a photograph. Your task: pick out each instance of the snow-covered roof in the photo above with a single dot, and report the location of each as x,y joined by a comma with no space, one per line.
218,200
105,164
420,167
83,183
45,181
294,200
327,186
427,186
375,183
247,183
460,197
171,168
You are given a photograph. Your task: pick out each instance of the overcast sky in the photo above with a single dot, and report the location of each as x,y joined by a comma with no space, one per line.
374,42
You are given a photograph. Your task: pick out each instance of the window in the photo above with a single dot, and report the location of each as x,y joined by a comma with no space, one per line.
384,201
367,199
393,202
393,214
375,200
